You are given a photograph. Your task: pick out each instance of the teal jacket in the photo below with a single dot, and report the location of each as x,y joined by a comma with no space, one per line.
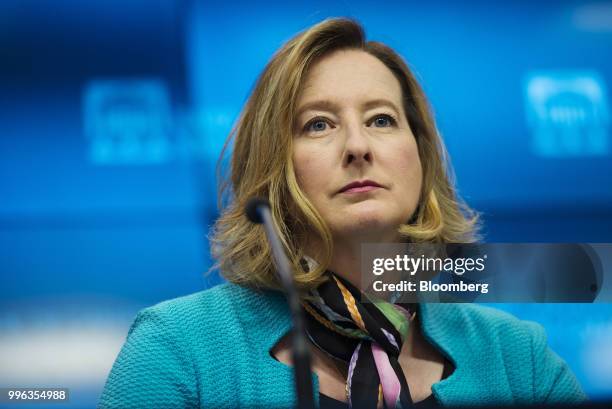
211,350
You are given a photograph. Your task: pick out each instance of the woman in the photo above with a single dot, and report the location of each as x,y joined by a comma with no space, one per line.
338,136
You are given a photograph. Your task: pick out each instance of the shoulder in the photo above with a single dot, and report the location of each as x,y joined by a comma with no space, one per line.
479,319
477,332
482,325
173,347
472,328
224,305
220,295
512,353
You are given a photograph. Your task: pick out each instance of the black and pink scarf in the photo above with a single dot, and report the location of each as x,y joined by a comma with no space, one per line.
367,335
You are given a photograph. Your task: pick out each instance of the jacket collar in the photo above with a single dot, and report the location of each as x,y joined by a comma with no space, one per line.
442,325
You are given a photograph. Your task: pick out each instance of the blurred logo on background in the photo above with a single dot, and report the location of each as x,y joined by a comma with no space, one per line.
568,114
128,122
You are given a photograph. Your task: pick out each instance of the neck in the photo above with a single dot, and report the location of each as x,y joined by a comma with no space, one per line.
346,262
346,259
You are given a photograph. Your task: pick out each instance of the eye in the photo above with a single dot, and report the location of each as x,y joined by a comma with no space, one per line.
383,121
316,125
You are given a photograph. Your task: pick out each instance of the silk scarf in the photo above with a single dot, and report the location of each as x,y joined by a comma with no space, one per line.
365,334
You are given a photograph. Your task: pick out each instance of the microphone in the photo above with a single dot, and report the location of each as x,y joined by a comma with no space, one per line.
257,211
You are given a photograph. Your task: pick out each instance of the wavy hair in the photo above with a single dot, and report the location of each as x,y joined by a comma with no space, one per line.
261,166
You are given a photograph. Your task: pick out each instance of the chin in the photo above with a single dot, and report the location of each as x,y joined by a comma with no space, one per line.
365,223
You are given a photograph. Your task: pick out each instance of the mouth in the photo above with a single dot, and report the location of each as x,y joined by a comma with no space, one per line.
360,187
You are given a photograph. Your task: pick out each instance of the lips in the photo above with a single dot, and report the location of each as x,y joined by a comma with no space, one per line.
359,186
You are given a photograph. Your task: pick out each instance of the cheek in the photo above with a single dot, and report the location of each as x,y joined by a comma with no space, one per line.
308,166
409,171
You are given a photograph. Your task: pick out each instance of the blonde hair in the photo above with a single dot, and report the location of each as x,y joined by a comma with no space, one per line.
261,166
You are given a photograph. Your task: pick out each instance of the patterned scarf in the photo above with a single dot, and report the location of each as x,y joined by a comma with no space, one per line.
366,335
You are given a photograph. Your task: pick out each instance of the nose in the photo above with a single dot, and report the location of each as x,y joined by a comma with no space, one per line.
357,149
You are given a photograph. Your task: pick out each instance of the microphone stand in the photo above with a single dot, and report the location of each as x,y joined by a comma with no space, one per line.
258,211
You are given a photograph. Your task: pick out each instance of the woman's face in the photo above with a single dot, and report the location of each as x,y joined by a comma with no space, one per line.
351,129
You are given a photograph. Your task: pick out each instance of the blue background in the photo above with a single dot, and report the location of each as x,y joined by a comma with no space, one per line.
84,244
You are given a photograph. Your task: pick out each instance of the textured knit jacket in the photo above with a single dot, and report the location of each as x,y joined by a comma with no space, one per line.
211,350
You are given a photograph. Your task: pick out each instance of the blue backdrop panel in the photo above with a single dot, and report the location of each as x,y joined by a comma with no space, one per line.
113,114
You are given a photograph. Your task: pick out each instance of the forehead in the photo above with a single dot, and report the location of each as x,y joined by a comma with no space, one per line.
350,76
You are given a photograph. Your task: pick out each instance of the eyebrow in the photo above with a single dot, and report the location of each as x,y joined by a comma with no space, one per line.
323,105
328,105
380,102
